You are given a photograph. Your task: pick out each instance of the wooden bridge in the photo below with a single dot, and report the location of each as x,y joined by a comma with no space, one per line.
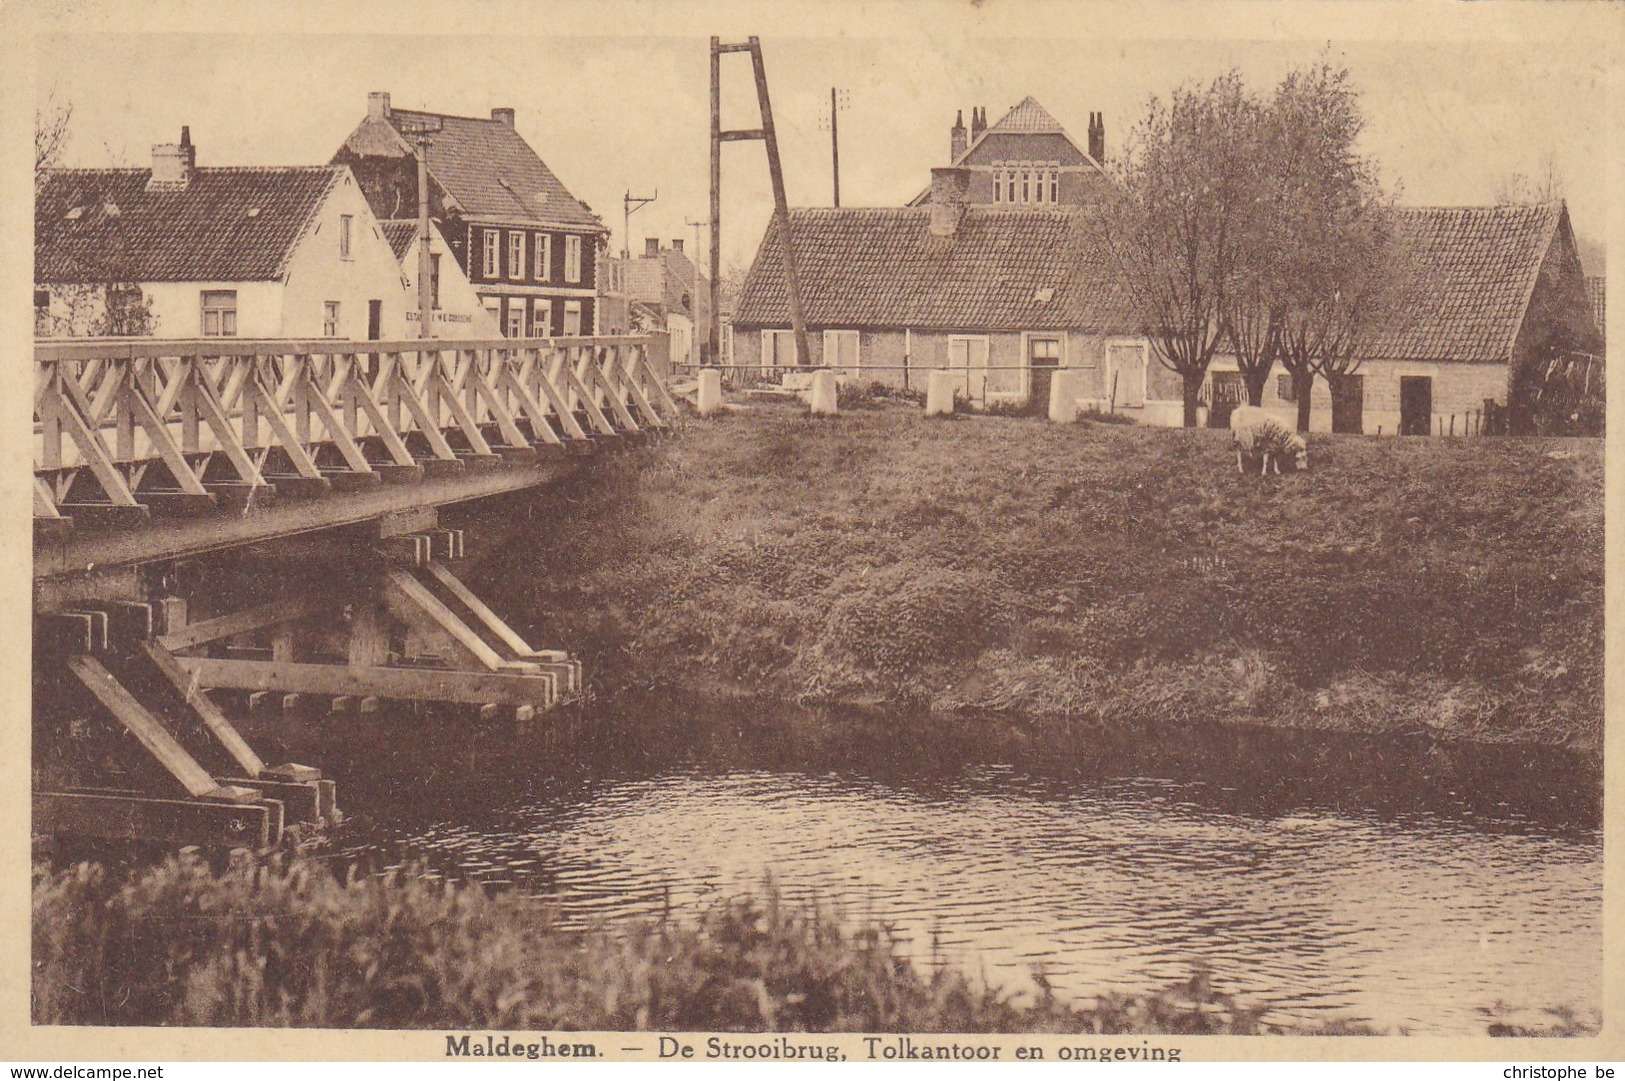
257,523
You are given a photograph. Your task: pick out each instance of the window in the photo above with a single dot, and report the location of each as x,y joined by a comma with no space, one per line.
346,227
1054,186
544,318
572,318
1026,194
572,258
841,351
544,256
42,312
516,317
516,255
1284,389
490,236
493,307
220,313
778,349
998,187
330,319
434,280
1010,187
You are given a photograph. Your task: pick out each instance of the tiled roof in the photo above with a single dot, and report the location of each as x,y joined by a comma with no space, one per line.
1597,293
1030,116
400,235
1474,271
1004,269
487,168
1471,273
225,225
997,146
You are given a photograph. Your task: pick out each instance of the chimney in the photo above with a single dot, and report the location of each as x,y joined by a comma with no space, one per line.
956,137
978,123
1097,136
504,115
949,188
172,163
651,247
378,105
677,245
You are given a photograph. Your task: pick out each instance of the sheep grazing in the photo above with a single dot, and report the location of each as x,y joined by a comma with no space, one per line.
1255,432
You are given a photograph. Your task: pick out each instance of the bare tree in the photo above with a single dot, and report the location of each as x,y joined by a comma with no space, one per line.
1178,226
1543,185
1332,229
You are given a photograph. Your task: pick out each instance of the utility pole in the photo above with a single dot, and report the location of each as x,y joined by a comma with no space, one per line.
781,206
425,259
694,345
630,205
838,101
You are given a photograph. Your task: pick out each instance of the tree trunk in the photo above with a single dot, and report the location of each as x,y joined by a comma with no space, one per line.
1256,380
1303,383
1193,396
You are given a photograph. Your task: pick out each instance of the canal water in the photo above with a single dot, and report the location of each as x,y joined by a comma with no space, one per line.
1350,880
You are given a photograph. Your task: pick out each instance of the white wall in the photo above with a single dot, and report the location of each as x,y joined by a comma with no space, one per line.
177,308
316,273
461,313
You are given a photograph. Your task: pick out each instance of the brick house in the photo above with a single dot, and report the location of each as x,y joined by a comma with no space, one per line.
528,247
212,252
1007,294
1026,159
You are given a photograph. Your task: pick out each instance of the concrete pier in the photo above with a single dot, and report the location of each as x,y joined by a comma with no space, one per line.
939,393
822,397
710,392
1063,396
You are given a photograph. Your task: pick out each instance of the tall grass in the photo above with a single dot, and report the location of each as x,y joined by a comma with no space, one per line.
290,944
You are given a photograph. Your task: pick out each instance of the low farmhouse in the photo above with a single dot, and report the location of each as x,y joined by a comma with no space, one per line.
1007,294
456,308
1002,295
1493,298
178,251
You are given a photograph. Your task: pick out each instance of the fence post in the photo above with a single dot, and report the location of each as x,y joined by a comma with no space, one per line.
821,398
939,393
709,398
1063,398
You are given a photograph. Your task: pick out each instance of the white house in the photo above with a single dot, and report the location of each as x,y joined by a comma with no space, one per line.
178,251
458,310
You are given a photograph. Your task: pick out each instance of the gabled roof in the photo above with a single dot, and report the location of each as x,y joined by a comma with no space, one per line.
485,167
1470,273
233,224
1030,116
1004,269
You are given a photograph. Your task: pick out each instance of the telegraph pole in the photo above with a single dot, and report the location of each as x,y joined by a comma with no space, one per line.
630,205
425,260
713,332
838,100
694,346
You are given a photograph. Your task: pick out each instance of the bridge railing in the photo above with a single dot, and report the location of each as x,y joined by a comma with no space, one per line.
137,422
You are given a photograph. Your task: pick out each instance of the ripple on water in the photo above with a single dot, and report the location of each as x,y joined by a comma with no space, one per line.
1115,885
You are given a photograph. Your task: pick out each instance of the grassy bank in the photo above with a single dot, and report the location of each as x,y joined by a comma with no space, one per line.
1097,574
291,945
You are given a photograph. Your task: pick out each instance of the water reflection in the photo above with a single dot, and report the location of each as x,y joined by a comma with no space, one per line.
1411,913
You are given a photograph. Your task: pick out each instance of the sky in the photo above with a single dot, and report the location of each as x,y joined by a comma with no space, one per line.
1447,120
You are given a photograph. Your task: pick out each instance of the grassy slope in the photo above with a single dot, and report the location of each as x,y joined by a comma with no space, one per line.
1095,572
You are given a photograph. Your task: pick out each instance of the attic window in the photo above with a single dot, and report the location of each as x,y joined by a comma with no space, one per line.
1044,295
75,214
253,212
541,198
111,209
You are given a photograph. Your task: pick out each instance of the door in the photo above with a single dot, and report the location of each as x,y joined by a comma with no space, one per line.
1043,357
375,319
841,352
1348,404
1415,405
1125,376
967,359
1229,391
